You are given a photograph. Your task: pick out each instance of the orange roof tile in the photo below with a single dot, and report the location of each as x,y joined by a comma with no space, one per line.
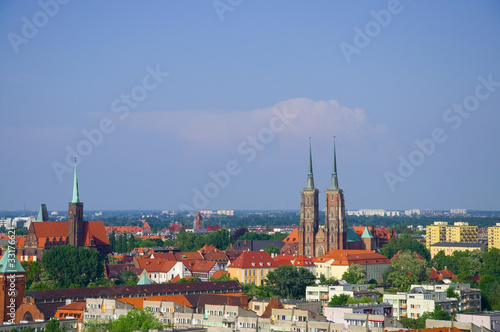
293,237
349,257
219,274
138,302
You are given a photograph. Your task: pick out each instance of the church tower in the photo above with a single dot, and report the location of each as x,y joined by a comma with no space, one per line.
75,216
309,221
12,283
335,222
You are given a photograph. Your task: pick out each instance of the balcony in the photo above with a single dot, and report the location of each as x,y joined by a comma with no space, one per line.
404,306
404,314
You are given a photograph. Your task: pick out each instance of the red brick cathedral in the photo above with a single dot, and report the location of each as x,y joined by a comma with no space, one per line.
76,232
313,240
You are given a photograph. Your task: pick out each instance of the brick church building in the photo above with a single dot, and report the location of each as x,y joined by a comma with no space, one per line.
77,232
313,240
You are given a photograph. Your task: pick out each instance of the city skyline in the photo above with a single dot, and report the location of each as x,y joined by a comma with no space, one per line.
160,102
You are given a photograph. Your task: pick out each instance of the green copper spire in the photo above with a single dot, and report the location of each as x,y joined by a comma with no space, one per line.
335,181
310,180
144,280
76,196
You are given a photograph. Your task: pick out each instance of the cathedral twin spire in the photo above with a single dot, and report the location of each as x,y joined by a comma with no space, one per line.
310,180
76,196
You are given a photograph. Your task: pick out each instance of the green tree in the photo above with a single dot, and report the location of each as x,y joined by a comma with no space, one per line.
128,278
134,320
112,241
364,299
219,239
355,274
53,326
404,242
450,293
122,243
340,299
224,277
33,270
324,281
290,282
131,243
441,261
68,265
406,270
272,249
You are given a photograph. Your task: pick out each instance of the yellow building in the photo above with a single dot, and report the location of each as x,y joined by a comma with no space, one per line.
435,233
252,267
494,236
450,247
442,232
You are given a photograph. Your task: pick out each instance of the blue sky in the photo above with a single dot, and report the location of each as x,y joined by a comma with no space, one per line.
210,104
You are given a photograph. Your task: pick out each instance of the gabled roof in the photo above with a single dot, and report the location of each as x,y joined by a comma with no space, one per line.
186,256
274,303
366,234
155,265
349,257
293,237
144,280
202,266
208,248
254,259
352,236
219,274
53,230
216,256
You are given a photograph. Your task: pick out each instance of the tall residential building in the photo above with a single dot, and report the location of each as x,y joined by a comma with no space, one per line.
458,232
494,236
435,233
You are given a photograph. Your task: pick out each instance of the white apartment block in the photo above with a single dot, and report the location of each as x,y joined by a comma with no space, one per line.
324,293
414,303
470,298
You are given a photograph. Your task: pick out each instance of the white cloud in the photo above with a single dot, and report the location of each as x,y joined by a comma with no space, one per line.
320,119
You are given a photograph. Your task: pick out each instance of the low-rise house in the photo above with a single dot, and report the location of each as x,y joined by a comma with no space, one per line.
161,270
252,267
203,270
336,262
297,260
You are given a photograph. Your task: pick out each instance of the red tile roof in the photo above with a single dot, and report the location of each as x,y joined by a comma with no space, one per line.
202,266
155,264
254,259
219,274
293,237
349,257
